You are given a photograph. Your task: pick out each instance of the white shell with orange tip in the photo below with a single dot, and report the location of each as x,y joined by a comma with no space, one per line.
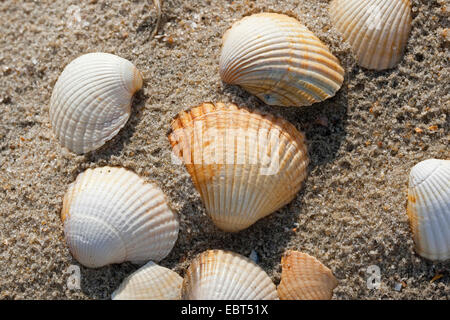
111,215
91,100
303,277
377,30
276,58
225,275
429,208
245,165
151,282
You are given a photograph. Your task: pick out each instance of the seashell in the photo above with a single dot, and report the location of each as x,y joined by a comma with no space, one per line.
111,215
276,58
225,275
377,30
151,282
91,100
429,208
303,277
244,165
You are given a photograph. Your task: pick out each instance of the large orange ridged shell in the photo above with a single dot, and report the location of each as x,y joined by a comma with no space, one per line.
276,58
377,30
305,278
225,275
245,165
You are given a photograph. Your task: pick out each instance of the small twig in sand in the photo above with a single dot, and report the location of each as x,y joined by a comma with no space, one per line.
157,4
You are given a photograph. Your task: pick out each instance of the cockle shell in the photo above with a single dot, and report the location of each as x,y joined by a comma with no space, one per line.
303,277
429,208
276,58
111,215
377,30
151,282
225,275
91,100
245,165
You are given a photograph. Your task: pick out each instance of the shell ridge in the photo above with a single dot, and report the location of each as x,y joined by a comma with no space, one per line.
104,109
387,23
252,53
109,226
115,123
255,195
244,204
83,103
362,35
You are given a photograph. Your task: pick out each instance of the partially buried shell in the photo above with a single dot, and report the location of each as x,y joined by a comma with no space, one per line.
225,275
111,215
91,100
429,208
245,165
151,282
279,60
305,278
377,30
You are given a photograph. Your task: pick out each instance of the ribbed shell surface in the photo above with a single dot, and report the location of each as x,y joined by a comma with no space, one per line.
429,208
377,30
151,282
91,100
276,58
225,275
111,215
245,165
303,277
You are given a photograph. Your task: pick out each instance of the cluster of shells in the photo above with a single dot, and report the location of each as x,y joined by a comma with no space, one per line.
244,164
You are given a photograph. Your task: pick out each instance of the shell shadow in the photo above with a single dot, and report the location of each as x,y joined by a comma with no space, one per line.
100,283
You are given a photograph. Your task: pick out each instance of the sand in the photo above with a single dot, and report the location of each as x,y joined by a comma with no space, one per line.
350,213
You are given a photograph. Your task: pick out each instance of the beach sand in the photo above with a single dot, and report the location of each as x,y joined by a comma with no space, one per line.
351,211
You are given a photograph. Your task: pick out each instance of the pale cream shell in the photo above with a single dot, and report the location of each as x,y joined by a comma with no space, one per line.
377,30
151,282
111,215
244,165
429,208
91,100
276,58
303,277
225,275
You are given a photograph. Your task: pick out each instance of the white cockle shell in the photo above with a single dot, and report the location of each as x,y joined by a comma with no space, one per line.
276,58
429,208
225,275
377,30
111,215
150,282
91,100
